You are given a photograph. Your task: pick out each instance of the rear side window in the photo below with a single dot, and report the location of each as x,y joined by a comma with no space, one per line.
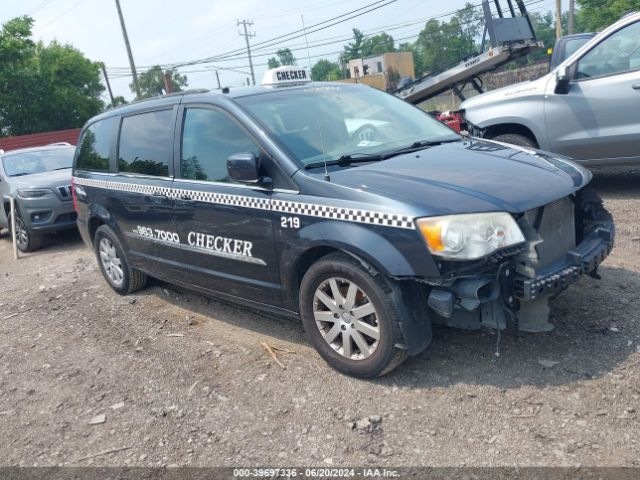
93,148
145,144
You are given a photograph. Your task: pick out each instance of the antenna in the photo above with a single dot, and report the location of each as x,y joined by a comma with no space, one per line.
306,40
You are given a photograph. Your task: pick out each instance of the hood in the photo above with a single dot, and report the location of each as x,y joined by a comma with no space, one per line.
469,176
53,179
514,91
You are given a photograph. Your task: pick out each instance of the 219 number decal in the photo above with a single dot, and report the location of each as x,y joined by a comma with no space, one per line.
289,222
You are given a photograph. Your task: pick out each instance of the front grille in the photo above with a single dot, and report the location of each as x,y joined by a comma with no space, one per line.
554,225
65,192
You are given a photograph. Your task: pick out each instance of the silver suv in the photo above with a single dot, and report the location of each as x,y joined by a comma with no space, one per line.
39,179
587,108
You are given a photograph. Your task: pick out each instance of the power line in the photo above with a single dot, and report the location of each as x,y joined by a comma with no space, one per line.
59,16
39,6
339,39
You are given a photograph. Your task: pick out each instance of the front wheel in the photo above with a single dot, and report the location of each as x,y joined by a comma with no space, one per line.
26,240
114,264
349,317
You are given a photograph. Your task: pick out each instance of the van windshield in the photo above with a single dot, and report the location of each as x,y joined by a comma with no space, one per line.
39,161
327,122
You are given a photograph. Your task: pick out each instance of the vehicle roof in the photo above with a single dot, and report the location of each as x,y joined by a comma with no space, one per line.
579,35
39,149
209,96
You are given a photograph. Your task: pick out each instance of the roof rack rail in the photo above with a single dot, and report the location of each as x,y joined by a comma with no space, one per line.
173,94
60,144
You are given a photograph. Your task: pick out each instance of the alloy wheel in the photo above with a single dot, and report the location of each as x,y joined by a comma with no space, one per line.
111,262
22,234
346,317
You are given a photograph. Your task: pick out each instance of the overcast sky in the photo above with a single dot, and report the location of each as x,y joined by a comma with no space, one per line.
166,32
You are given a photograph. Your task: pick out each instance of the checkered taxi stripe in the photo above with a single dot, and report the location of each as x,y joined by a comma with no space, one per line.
282,206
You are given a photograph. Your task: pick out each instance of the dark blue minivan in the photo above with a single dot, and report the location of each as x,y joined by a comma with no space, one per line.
340,204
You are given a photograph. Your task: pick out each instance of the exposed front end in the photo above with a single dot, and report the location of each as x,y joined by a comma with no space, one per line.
563,240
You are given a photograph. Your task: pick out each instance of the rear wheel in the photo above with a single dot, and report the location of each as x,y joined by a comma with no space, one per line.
515,139
349,318
26,240
114,265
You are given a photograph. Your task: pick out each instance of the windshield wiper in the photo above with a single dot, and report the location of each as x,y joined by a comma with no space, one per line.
60,168
348,159
359,157
419,145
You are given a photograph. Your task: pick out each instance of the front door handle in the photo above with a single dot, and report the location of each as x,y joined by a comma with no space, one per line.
636,86
159,198
184,200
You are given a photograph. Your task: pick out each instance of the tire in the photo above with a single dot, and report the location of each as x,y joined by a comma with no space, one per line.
26,240
335,334
515,139
114,264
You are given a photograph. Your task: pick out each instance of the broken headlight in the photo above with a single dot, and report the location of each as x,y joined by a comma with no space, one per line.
469,236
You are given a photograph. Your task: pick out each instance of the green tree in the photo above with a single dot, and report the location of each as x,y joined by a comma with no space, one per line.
353,49
152,81
284,56
377,45
120,100
325,70
594,15
44,88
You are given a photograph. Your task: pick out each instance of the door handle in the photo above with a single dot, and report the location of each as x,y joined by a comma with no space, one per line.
636,86
185,200
158,198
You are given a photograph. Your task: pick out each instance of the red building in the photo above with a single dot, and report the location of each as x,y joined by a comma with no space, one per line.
39,139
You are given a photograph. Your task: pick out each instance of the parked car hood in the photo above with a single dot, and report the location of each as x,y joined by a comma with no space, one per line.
467,177
55,178
515,91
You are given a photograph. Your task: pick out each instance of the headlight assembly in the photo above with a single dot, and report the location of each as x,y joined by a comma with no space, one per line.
33,192
469,236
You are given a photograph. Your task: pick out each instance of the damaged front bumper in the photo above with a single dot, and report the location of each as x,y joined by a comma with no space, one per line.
584,259
516,285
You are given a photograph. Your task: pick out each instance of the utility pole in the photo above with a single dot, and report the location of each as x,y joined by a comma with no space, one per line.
246,36
168,85
136,85
218,79
106,80
558,19
572,15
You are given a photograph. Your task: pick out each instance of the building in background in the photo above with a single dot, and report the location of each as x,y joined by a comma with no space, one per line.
39,139
382,71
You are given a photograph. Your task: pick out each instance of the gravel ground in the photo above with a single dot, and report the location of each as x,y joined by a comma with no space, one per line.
168,377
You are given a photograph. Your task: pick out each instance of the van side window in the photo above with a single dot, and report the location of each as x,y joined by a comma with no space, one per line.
618,53
209,137
145,143
93,147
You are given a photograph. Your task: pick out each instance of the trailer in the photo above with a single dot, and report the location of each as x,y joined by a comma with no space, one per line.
510,36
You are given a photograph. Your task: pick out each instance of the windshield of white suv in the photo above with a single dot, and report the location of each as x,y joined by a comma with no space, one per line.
329,122
38,161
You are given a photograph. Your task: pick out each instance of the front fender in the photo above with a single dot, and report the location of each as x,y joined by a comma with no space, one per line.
525,111
392,252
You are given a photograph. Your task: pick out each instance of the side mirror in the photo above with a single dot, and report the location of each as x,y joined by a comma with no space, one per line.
244,167
562,81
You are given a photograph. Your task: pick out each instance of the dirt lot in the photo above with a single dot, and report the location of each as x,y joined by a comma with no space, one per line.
184,380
